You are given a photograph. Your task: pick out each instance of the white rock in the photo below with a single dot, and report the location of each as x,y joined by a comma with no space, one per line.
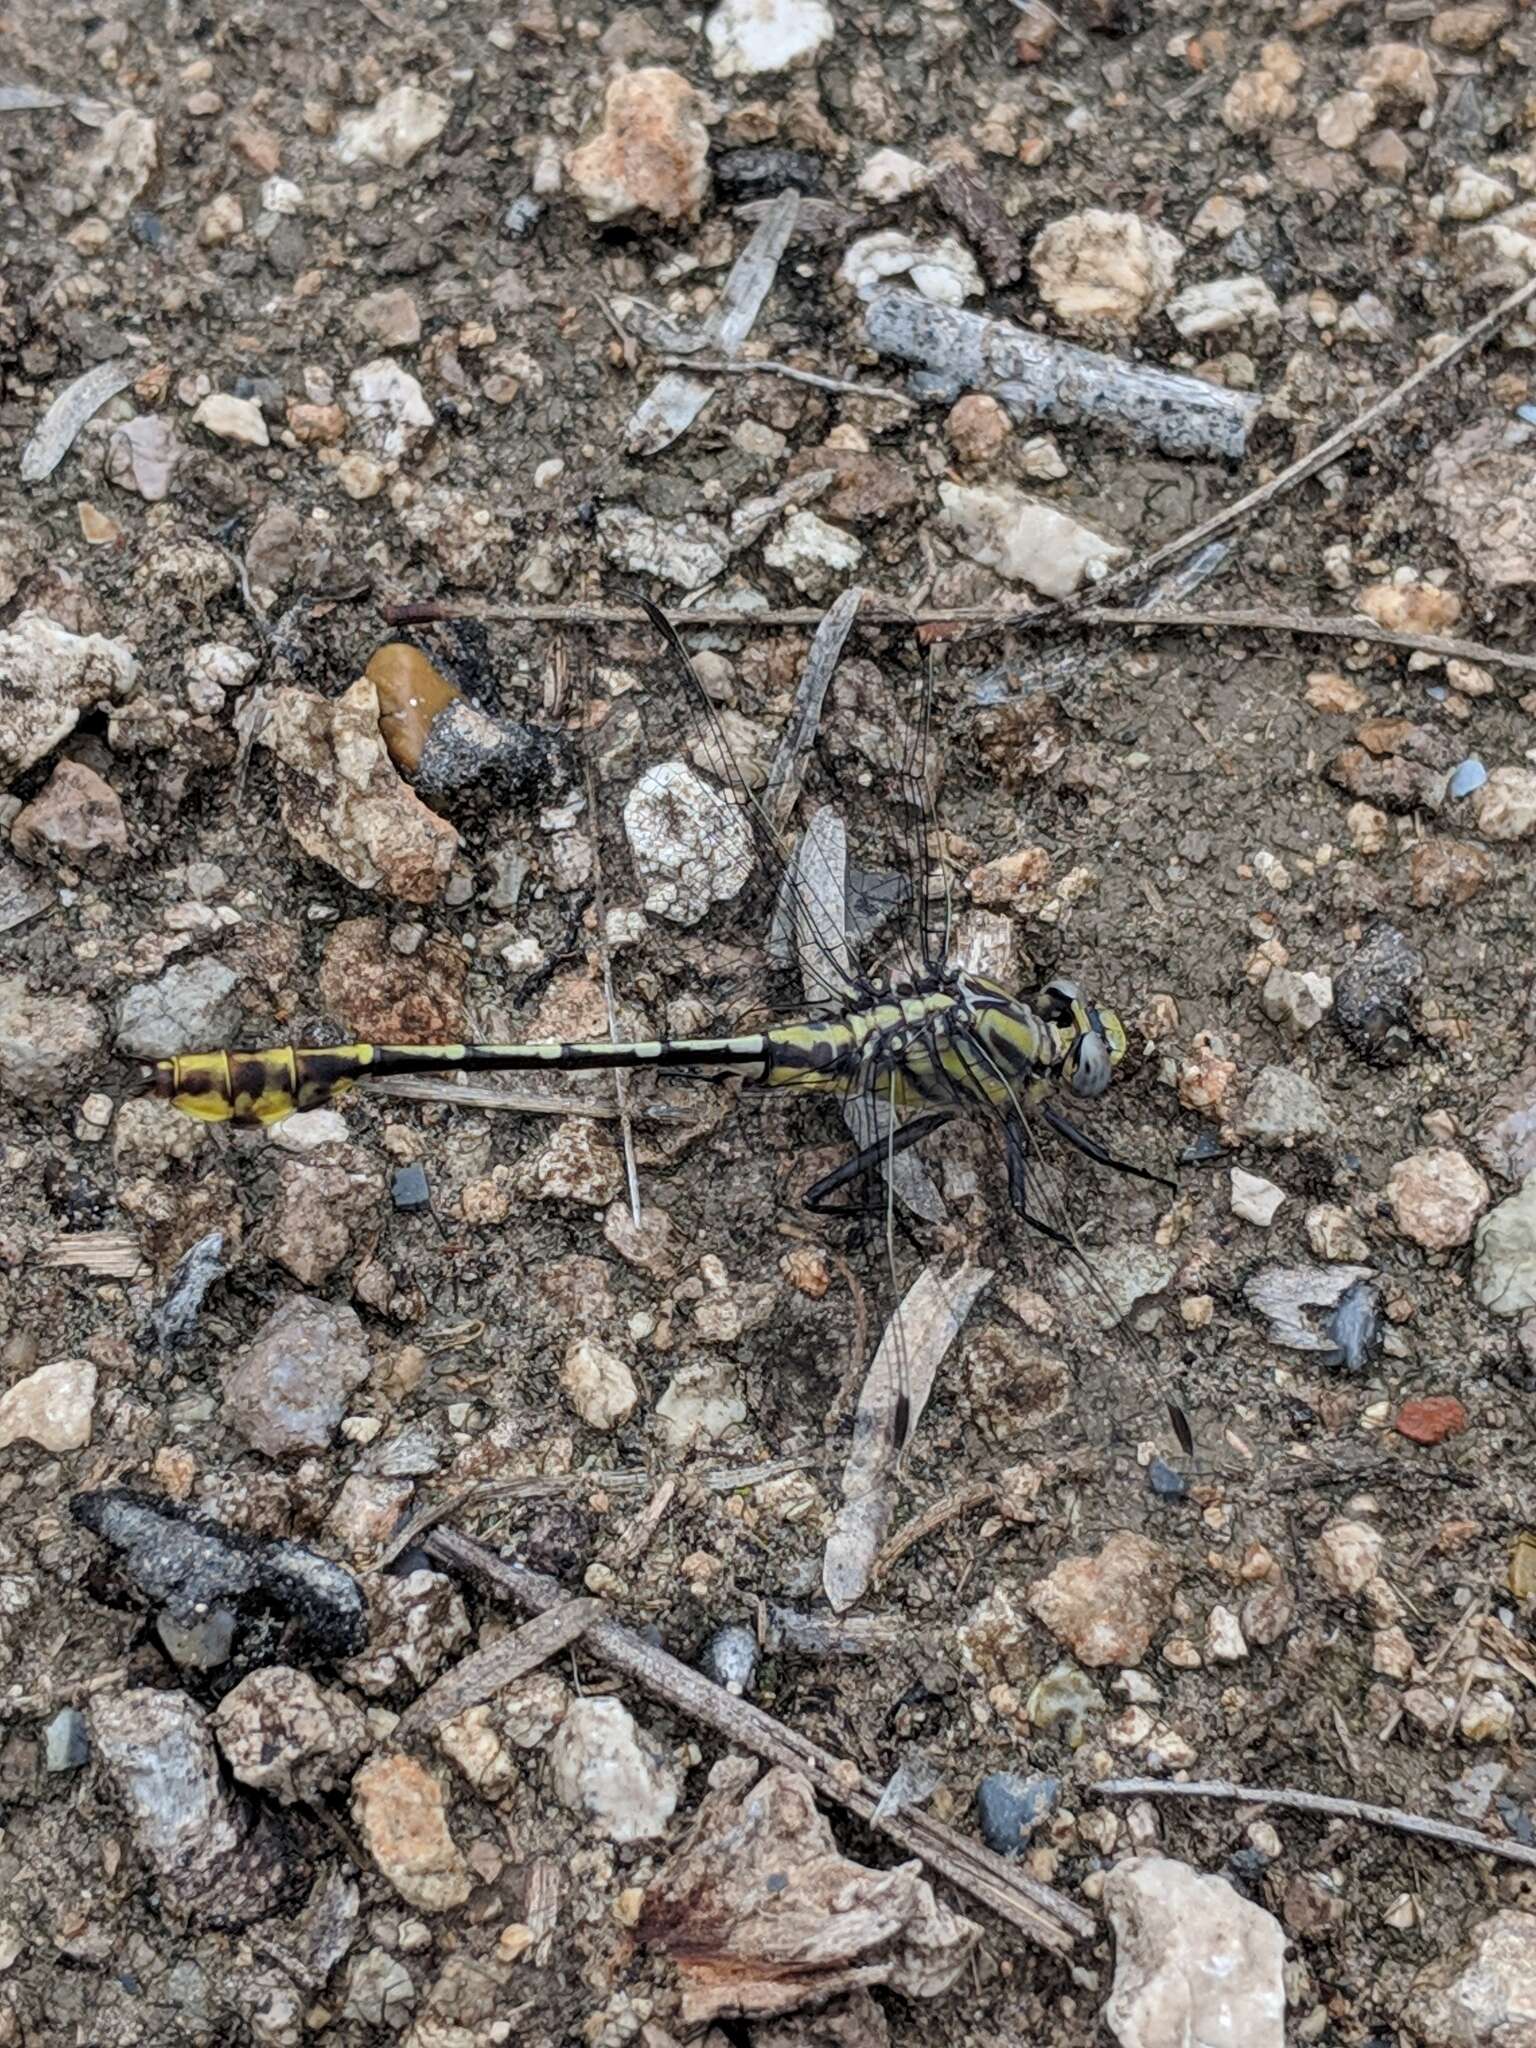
387,403
1299,1002
702,1403
1471,195
1505,805
220,221
1485,1998
1366,318
816,556
281,195
50,677
1254,1198
1342,120
109,174
1334,1234
1224,1637
218,663
52,1406
1195,1963
603,1768
1348,1555
394,129
598,1384
687,551
1224,303
889,175
1483,483
1025,540
1487,1717
692,845
1041,460
1504,1265
943,271
1220,217
751,36
1501,251
309,1130
233,419
1096,267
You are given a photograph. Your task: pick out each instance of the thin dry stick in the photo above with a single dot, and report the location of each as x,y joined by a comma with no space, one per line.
476,1095
605,961
878,610
557,1485
979,1493
1319,457
634,1541
488,1672
1447,1643
1037,1911
1309,625
716,366
1316,1802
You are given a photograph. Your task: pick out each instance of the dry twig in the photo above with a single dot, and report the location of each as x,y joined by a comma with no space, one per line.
491,1671
979,1493
558,1485
1310,626
1043,1915
1319,457
885,611
1317,1802
633,1542
477,1095
714,366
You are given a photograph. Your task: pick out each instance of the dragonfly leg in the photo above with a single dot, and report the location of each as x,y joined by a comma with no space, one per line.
1081,1141
1016,1151
865,1160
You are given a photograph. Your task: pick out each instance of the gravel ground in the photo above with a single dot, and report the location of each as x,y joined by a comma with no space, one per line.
367,300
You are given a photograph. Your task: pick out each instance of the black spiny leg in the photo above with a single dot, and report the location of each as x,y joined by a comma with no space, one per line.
1016,1152
865,1161
1082,1142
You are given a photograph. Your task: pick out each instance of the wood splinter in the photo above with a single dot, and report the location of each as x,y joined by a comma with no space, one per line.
1038,1912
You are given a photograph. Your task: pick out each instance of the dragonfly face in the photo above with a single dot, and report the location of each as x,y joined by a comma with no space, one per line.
1093,1040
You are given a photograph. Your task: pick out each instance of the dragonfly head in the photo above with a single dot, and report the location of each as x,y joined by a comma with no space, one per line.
1096,1039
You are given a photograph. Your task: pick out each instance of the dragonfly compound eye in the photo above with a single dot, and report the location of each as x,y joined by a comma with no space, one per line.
1092,1065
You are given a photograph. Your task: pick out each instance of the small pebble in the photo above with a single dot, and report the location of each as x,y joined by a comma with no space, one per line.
1436,1197
522,217
66,1741
611,1773
730,1659
1255,1199
408,1189
1165,1482
1355,1326
1431,1419
598,1384
1371,995
1470,775
1010,1808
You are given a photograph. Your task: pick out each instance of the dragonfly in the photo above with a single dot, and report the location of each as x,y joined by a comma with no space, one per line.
929,1043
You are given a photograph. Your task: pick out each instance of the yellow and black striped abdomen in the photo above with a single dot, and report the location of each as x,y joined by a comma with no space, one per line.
264,1087
259,1087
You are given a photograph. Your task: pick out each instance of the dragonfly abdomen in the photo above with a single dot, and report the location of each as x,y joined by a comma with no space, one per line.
264,1087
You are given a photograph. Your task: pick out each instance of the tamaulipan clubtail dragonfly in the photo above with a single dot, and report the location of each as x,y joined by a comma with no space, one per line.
930,1044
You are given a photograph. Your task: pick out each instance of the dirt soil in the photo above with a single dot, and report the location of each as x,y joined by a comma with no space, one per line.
1179,783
